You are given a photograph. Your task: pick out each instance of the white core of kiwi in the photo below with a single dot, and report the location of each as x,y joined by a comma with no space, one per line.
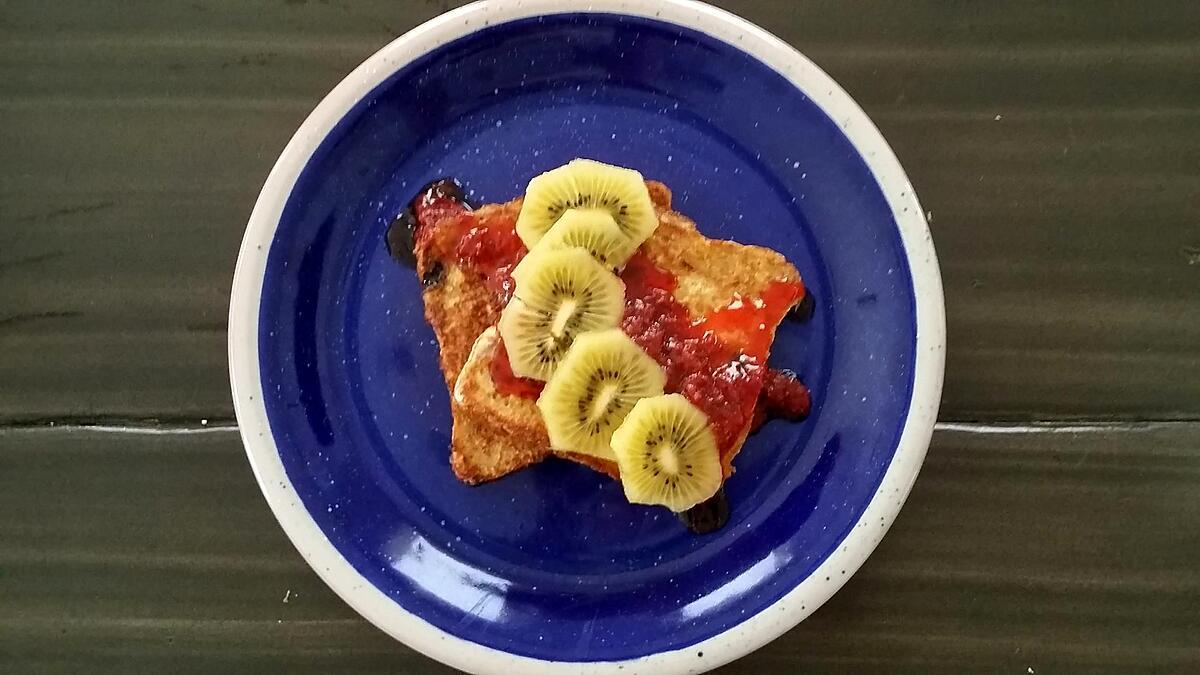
562,318
559,295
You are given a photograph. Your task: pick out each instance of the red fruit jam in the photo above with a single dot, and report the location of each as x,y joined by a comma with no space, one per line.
447,228
715,362
641,274
784,395
726,392
492,249
509,383
442,218
750,322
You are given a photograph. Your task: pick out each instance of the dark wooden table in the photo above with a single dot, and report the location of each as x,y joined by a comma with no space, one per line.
1055,527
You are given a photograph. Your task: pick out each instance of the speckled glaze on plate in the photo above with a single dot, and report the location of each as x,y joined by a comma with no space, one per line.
341,403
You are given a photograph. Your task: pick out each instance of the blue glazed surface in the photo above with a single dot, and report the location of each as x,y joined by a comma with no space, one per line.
552,562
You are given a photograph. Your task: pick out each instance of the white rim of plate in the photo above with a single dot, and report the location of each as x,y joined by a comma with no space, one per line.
738,640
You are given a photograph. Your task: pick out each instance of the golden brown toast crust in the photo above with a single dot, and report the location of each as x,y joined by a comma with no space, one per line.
711,272
495,434
459,307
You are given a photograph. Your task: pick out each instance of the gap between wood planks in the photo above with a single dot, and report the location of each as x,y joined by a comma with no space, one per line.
160,426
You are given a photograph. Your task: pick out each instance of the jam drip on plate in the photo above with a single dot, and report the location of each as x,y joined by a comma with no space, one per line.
709,515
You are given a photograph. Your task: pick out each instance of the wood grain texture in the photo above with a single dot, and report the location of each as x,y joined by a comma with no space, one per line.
1056,145
1059,550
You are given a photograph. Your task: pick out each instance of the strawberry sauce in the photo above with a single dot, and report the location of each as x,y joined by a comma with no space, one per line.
717,361
492,248
509,383
441,226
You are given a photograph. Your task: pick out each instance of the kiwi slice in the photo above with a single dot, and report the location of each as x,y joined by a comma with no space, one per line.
598,382
593,230
559,295
591,185
667,454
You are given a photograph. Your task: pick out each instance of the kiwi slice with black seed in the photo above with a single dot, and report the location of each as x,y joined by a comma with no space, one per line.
594,231
585,184
559,295
667,453
602,377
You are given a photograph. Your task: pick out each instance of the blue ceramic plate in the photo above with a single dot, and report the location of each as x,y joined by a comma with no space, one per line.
341,402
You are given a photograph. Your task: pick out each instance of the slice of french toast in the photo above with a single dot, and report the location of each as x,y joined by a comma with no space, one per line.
497,432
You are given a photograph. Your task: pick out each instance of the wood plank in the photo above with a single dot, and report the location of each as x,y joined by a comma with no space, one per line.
135,145
1057,147
1056,550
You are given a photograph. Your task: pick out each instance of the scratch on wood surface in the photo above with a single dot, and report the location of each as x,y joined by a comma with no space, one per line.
17,319
30,260
63,212
260,59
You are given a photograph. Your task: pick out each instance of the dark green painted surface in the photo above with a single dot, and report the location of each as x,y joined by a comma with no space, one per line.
1057,550
1056,145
